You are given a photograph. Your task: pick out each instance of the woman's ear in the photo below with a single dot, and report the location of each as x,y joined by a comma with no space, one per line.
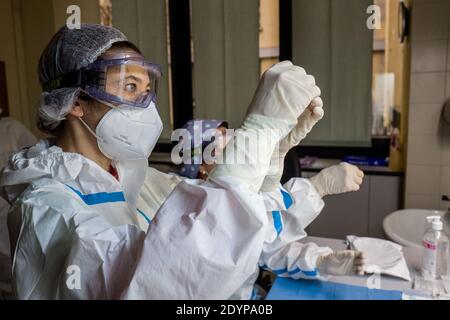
77,109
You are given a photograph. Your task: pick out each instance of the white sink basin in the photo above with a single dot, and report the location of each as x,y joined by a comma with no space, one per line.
407,227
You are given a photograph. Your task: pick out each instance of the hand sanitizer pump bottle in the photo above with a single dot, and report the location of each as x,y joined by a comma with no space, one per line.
435,250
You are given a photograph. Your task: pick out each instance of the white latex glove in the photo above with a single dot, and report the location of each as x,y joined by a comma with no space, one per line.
337,179
284,92
345,262
307,120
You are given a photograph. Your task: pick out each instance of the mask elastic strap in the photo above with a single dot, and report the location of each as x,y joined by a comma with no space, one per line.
89,129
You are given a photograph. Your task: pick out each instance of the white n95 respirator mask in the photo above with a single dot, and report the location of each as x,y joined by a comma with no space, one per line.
127,133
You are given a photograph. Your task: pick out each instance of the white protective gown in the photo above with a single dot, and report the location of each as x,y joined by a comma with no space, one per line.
18,137
289,211
77,232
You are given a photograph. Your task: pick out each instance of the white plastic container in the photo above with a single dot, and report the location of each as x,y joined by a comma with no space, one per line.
435,250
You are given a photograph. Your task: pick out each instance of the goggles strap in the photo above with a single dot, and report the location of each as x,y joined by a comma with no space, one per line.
79,78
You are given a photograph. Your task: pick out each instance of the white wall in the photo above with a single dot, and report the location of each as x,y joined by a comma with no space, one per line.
428,160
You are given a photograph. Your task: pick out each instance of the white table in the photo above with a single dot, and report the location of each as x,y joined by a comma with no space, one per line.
412,256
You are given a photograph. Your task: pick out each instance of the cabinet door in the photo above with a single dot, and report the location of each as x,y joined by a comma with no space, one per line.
384,199
344,214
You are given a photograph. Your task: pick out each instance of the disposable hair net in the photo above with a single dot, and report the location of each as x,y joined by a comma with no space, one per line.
68,51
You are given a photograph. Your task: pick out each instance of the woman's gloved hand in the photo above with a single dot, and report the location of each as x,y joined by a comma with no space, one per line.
345,262
338,179
284,92
307,120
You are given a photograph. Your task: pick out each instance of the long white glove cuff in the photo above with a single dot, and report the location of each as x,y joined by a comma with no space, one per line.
337,263
272,182
309,258
248,155
319,184
278,127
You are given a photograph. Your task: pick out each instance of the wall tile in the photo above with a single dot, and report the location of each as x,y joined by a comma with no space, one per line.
429,55
445,182
424,180
424,150
445,133
425,119
421,202
448,53
428,88
444,205
445,154
429,137
445,187
430,20
448,22
446,126
447,89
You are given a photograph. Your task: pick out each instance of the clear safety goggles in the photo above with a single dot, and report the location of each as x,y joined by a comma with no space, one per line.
128,81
